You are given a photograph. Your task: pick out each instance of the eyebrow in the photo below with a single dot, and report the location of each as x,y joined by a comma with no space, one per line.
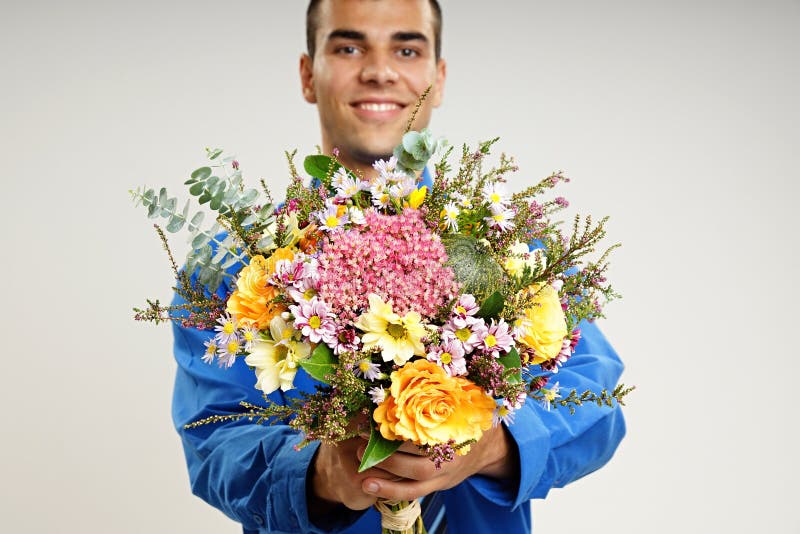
354,35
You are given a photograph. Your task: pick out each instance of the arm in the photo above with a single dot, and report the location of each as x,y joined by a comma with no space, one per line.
555,448
250,472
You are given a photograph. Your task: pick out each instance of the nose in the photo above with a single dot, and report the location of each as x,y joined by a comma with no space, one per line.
378,70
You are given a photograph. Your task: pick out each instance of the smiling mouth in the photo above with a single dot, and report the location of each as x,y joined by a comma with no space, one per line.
378,106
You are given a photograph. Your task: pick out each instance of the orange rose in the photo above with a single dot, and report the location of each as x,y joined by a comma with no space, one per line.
427,407
251,301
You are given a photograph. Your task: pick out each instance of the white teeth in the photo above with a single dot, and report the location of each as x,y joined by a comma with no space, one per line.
378,107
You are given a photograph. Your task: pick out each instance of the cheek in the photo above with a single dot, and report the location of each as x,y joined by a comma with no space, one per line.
418,77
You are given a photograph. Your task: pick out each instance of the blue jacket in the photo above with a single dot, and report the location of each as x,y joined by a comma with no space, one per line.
253,474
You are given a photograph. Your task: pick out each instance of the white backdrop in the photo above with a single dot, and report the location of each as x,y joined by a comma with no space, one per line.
679,119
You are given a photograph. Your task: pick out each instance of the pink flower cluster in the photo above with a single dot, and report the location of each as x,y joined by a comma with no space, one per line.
393,256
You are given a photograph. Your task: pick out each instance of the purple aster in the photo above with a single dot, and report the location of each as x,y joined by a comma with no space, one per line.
249,334
450,356
377,394
330,220
560,359
346,340
226,328
228,351
369,370
306,284
314,319
501,220
503,414
465,307
211,350
349,186
496,339
549,395
290,273
468,331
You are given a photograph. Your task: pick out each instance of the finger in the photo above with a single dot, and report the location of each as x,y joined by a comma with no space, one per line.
410,466
410,448
403,490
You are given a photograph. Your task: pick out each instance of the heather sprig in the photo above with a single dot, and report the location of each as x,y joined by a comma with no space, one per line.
604,398
201,308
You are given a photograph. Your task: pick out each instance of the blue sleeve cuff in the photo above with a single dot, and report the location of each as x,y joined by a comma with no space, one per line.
287,502
532,441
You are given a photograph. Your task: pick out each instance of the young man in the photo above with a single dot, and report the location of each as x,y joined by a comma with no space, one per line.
368,62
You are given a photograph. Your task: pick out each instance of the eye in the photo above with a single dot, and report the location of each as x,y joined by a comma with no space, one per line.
408,52
347,50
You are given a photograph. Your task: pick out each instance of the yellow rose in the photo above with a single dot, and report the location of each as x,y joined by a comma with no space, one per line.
251,301
428,407
543,326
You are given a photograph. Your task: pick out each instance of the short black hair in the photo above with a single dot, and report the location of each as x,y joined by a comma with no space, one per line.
312,23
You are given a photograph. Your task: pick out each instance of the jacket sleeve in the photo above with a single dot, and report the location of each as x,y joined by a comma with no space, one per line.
250,472
554,447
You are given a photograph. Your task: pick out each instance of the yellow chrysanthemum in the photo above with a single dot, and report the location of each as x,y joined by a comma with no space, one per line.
399,338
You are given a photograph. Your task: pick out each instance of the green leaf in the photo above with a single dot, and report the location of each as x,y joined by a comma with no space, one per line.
153,210
197,188
198,219
318,165
512,361
492,306
320,363
265,242
168,208
175,223
202,238
216,200
214,154
199,175
378,449
249,196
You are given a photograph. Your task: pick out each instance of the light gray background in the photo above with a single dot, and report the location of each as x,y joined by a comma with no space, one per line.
679,119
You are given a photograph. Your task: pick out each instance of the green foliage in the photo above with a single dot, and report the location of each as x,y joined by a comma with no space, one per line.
321,167
247,224
321,364
475,268
378,449
513,364
492,306
416,149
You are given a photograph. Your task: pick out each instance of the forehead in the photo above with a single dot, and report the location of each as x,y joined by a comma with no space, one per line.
377,19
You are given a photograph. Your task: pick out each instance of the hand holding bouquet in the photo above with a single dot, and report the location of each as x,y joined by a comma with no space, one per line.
434,311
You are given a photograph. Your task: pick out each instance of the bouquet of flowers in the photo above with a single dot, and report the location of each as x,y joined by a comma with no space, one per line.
430,312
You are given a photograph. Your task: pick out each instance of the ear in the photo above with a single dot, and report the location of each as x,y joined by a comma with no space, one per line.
307,78
438,91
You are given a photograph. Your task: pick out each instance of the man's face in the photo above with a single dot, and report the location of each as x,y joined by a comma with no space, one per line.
373,60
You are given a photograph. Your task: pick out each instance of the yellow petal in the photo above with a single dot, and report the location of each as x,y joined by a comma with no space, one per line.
417,197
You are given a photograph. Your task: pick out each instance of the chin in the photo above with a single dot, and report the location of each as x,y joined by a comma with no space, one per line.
369,152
